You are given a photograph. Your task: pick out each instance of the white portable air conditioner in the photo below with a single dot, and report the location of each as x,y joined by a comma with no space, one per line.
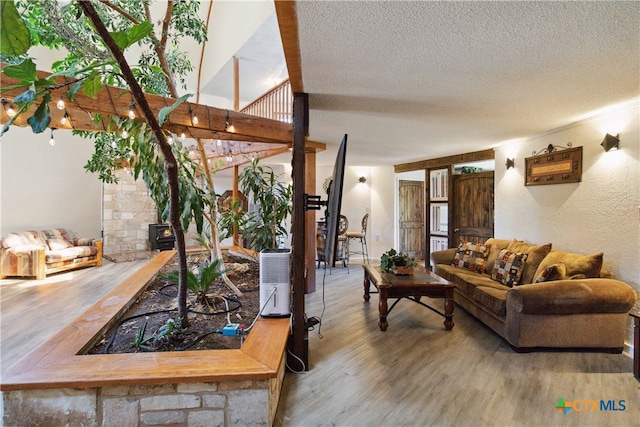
275,291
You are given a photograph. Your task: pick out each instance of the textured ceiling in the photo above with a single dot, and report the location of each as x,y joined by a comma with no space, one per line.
418,80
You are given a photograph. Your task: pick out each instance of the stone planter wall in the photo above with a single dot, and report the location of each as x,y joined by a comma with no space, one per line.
233,403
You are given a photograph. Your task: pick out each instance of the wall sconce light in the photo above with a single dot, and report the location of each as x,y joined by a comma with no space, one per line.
510,163
362,180
610,142
52,140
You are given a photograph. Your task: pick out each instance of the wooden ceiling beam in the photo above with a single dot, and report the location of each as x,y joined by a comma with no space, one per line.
288,24
475,156
113,101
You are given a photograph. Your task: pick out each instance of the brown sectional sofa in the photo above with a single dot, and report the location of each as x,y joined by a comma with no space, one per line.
535,297
39,253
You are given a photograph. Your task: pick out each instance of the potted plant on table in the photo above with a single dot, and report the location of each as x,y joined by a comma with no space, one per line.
397,262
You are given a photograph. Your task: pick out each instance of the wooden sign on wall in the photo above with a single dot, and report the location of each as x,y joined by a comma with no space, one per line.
554,166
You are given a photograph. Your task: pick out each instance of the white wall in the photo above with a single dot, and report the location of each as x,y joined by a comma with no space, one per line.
601,213
46,186
375,196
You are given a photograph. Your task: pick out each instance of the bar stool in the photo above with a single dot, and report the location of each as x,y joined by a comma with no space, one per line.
362,236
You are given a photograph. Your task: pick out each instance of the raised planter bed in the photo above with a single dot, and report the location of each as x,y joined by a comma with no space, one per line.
57,384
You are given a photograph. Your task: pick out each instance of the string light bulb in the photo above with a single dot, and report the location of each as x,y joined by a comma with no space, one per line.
132,114
63,120
52,140
10,111
228,126
219,142
182,135
124,133
170,140
60,104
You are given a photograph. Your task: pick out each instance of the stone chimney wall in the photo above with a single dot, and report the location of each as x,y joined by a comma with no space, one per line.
128,210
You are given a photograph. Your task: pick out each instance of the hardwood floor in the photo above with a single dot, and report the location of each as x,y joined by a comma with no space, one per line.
32,311
414,374
418,374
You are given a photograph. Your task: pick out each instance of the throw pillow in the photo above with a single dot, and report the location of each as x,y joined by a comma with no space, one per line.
553,272
57,244
496,246
508,267
577,266
471,256
536,253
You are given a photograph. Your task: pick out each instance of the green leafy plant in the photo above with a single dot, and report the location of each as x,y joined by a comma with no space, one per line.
230,218
200,283
273,198
392,259
139,341
171,327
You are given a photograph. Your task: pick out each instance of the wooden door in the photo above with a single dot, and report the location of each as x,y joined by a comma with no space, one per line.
411,217
472,207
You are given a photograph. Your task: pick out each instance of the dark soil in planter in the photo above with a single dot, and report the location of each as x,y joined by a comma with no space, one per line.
158,304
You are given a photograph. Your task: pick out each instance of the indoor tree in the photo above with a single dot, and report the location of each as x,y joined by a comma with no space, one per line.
273,197
95,34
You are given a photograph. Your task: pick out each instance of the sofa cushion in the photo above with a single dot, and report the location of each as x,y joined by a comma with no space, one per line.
22,238
70,253
58,234
471,256
508,267
57,244
577,266
466,281
493,299
553,272
535,254
496,245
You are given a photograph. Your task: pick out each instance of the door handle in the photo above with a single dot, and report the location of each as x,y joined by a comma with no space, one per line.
456,230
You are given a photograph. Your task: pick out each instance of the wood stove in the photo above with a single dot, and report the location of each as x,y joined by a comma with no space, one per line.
161,237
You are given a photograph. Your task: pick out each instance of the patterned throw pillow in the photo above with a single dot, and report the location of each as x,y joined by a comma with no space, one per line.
553,272
472,256
508,267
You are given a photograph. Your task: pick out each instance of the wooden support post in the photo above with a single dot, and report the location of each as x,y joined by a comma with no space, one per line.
298,359
310,225
236,84
234,197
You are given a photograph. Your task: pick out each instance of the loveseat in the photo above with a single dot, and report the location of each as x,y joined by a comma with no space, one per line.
536,297
39,253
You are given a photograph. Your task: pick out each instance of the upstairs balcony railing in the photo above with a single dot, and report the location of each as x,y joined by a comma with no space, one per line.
277,104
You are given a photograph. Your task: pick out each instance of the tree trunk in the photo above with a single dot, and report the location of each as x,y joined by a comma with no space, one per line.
171,164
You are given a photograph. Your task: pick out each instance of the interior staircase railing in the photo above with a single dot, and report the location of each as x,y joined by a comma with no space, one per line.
277,104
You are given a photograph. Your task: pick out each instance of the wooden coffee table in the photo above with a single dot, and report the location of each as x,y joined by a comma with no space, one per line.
422,283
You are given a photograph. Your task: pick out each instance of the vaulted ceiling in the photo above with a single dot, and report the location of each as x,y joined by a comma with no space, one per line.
414,80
